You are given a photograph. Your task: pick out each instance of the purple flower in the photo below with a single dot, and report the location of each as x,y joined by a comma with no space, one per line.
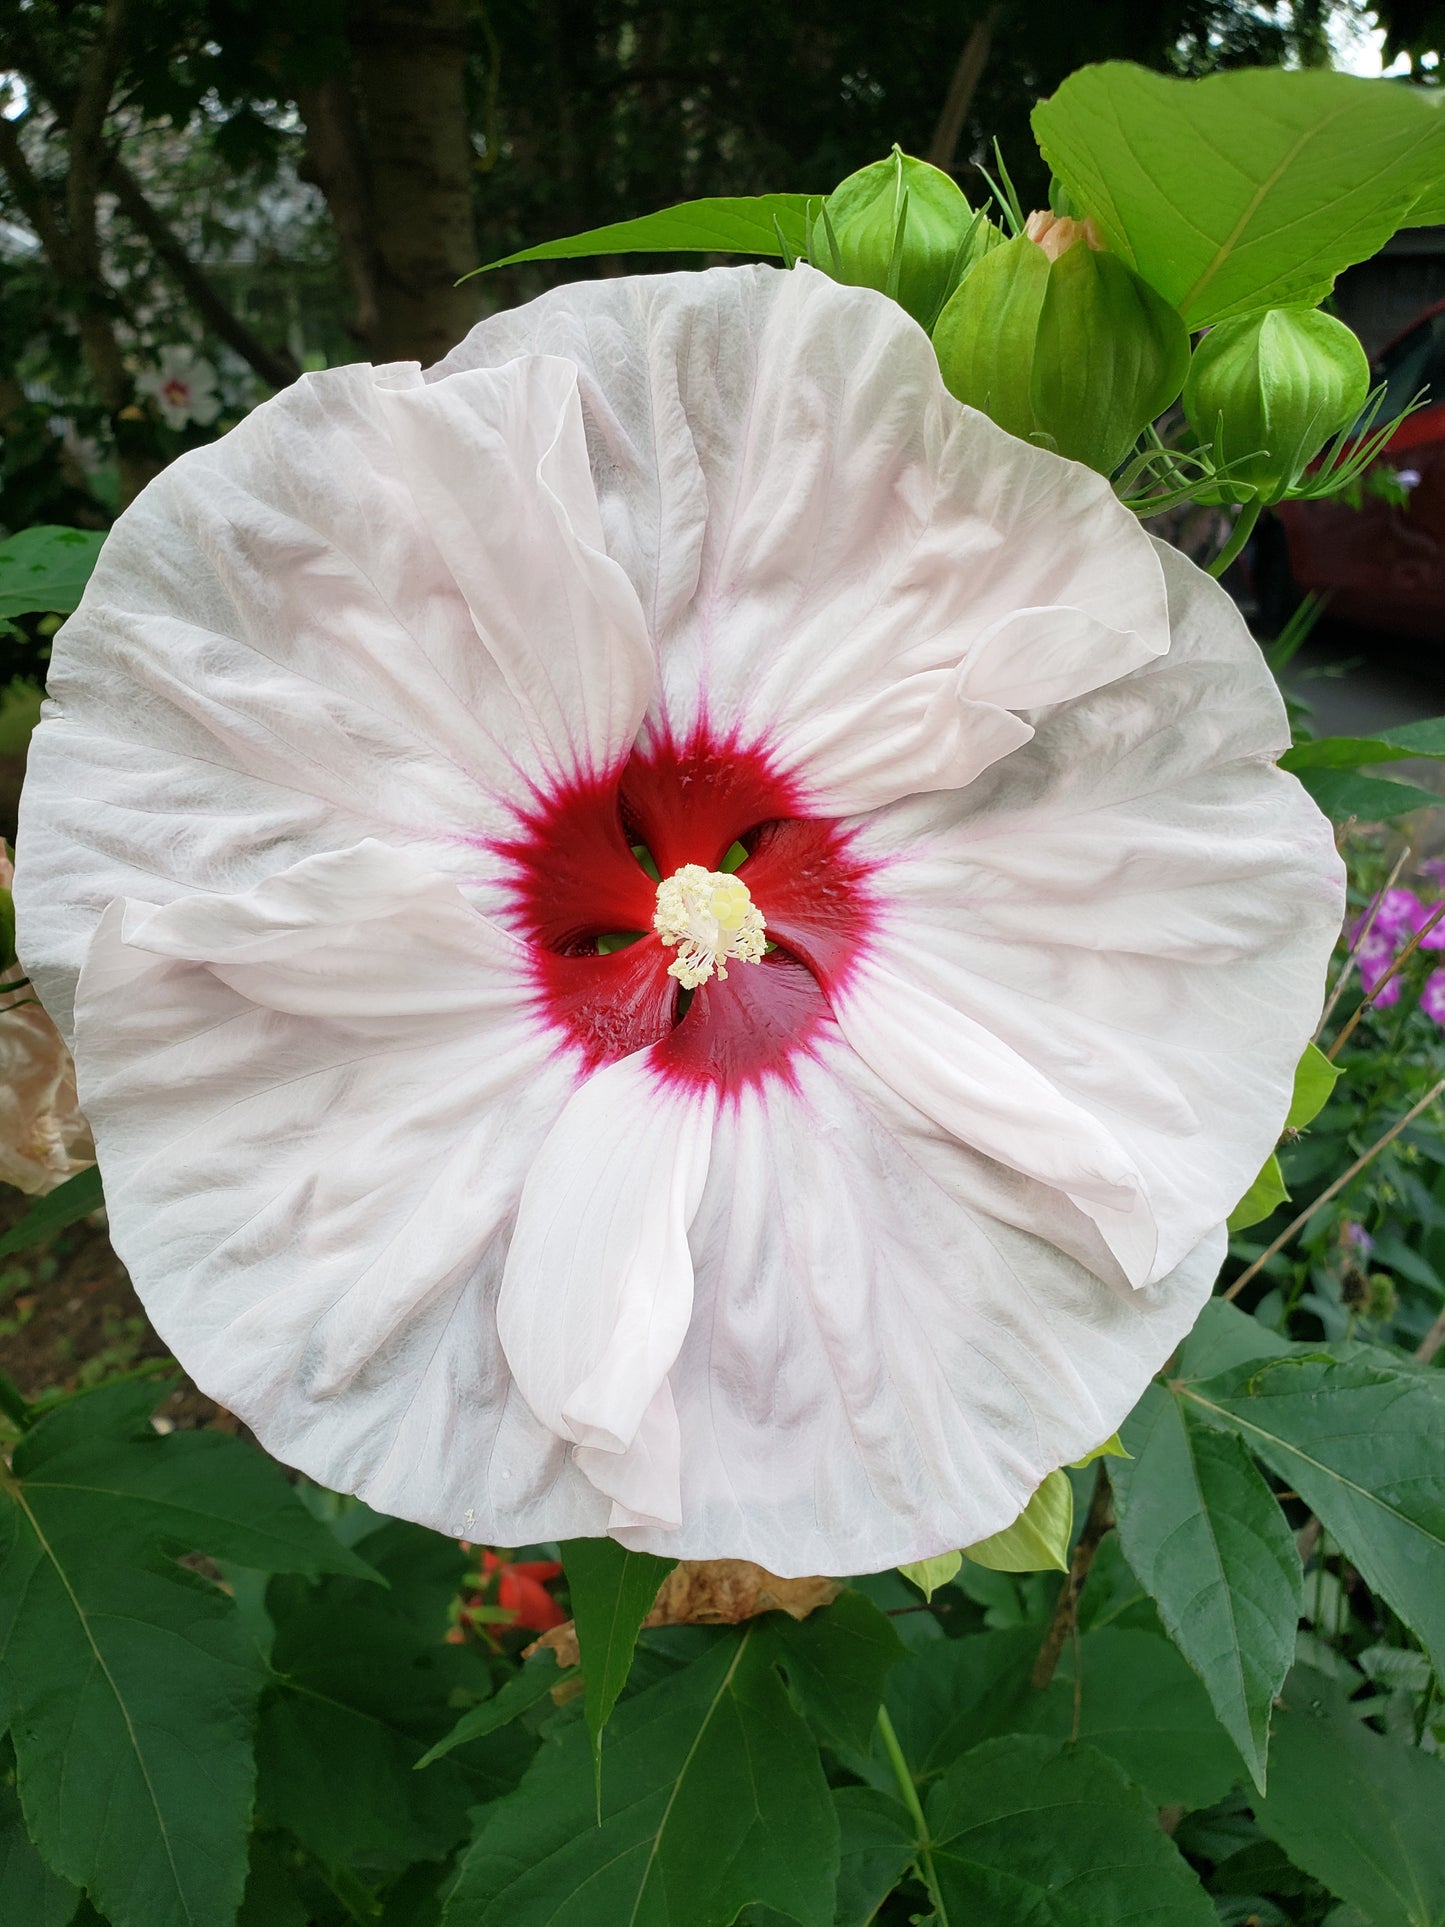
1400,911
1374,960
1354,1236
1432,997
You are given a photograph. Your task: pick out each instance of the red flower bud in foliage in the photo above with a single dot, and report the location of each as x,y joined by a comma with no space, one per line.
522,1589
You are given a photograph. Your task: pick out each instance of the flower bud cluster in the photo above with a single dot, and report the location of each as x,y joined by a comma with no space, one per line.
903,227
1056,338
1060,342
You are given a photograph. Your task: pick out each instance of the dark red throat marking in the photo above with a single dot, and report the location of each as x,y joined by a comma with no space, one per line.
574,878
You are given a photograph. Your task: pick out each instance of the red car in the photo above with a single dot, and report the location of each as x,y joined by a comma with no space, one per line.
1382,564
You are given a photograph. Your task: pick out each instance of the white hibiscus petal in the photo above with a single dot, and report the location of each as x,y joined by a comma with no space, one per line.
353,935
313,1202
1138,905
893,1339
272,659
497,463
922,725
813,524
597,1292
972,1084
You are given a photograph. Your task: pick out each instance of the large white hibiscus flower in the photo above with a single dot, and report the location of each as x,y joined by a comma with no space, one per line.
361,740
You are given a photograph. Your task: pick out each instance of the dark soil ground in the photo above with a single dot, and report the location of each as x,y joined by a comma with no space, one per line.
69,1319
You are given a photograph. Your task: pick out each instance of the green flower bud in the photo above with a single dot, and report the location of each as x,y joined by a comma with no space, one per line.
1269,390
900,226
1383,1300
1060,343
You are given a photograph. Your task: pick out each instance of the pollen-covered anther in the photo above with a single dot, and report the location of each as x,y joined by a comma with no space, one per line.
711,918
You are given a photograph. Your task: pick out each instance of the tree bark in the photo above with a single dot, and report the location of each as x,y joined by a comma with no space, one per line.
336,163
943,149
410,60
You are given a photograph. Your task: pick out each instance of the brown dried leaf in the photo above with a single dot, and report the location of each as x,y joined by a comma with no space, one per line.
721,1592
710,1592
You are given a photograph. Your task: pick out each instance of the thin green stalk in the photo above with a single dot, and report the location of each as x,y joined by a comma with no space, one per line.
1243,529
915,1807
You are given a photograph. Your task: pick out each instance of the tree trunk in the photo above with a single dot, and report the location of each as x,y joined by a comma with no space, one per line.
411,83
336,162
943,149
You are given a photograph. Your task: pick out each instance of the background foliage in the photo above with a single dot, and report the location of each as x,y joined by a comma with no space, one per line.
228,1696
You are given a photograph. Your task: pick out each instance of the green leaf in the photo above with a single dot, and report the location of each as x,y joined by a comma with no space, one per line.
1029,1829
1249,189
1359,1439
65,1205
947,1697
522,1692
272,1899
363,1692
44,570
1138,1702
1360,1813
1425,739
1038,1539
929,1574
1206,1539
1341,752
130,1685
1314,1078
1342,794
188,1491
30,1894
612,1591
714,1798
1429,210
836,1661
732,224
1223,1336
131,1682
1263,1197
879,1842
1112,1448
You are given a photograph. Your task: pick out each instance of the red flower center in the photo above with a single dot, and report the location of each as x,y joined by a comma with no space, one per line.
577,877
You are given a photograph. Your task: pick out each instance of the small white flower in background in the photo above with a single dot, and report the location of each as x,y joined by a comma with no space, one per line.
183,387
469,1127
43,1138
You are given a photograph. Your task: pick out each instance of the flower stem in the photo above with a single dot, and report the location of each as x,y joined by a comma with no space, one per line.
1333,1190
1064,1620
1243,529
915,1807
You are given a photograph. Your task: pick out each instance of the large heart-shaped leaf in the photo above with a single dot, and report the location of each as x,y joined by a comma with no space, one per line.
1026,1829
1358,1437
1361,1813
1207,1540
713,1798
1249,189
131,1683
